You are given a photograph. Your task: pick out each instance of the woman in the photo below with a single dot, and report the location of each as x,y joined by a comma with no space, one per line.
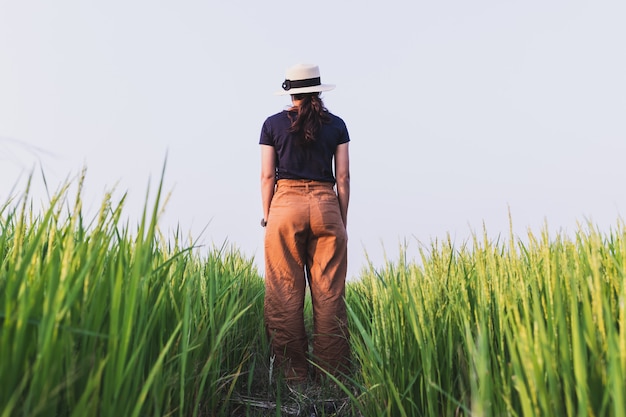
305,217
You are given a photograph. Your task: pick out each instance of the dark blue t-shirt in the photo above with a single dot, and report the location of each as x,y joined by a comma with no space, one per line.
298,160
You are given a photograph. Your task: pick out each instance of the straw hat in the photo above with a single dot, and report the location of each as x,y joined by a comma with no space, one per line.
303,78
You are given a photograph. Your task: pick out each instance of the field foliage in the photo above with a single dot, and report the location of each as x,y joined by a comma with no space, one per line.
103,319
97,320
496,328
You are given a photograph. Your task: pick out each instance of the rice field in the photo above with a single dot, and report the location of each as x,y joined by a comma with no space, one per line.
101,318
496,329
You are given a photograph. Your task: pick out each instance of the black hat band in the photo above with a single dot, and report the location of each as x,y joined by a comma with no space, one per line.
309,82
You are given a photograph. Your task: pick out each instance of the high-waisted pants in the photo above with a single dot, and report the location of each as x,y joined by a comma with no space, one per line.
305,238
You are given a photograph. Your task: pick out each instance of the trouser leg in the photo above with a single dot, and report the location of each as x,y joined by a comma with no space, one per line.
285,285
327,258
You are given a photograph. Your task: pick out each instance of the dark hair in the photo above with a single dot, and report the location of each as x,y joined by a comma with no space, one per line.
311,114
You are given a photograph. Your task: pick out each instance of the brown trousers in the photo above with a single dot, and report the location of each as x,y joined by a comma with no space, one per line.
306,238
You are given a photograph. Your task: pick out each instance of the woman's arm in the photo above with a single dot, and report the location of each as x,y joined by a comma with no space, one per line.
268,177
342,174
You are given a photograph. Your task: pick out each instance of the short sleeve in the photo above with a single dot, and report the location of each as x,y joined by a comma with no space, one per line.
343,136
266,134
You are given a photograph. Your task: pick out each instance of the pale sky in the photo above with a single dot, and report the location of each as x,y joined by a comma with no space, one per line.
458,111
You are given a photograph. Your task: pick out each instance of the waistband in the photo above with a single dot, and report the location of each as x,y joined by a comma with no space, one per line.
305,184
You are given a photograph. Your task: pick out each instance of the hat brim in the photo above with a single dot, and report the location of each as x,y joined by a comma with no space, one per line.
302,90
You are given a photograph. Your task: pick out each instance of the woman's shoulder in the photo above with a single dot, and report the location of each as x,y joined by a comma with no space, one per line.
336,120
277,123
283,114
279,117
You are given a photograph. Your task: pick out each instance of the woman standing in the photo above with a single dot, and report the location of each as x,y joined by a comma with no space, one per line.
305,208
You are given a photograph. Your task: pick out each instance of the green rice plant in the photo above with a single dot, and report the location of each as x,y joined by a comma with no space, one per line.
495,328
98,320
573,329
404,338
